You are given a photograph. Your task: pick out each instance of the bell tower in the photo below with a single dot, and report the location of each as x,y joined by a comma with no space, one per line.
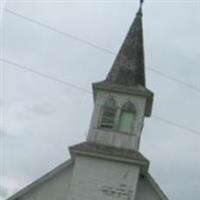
108,165
122,100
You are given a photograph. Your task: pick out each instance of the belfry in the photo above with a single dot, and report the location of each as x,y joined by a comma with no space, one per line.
108,165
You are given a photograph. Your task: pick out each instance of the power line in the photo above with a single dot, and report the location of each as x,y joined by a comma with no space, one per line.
193,87
176,124
44,75
22,67
51,28
197,89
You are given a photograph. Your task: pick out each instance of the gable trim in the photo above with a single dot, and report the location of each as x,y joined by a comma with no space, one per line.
156,186
41,180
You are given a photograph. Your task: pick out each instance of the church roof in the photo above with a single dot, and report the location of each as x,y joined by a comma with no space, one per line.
41,180
128,68
65,166
111,153
155,186
108,150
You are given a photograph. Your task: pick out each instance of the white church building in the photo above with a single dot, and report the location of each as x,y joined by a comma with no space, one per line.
108,165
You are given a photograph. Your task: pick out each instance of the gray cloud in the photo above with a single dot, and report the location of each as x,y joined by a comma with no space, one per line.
42,109
3,132
2,103
3,192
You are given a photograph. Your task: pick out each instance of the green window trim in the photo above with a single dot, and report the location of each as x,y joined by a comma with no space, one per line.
126,121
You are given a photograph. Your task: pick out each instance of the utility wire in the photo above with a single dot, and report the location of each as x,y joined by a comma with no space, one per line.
180,126
193,87
51,28
197,89
25,68
44,75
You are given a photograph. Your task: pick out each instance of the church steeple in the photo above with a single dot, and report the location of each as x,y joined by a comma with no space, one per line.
127,74
122,100
109,162
128,67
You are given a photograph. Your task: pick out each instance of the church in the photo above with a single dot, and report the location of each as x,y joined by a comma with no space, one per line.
108,165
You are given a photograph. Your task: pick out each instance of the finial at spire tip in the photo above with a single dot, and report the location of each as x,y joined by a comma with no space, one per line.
140,8
141,3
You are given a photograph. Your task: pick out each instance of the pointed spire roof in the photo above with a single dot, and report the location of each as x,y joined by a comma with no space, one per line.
127,74
128,68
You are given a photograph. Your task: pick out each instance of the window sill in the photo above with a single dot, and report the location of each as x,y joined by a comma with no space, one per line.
116,131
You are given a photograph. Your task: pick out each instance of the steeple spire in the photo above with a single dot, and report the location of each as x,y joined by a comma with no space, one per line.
141,4
127,75
128,68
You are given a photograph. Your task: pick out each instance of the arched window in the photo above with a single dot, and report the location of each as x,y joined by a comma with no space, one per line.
127,117
108,114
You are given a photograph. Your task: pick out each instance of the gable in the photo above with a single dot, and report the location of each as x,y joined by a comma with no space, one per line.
51,186
55,185
149,190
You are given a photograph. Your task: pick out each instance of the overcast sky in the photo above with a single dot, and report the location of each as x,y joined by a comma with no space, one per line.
40,118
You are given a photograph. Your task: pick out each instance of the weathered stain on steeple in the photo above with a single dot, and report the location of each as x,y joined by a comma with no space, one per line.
127,75
128,68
